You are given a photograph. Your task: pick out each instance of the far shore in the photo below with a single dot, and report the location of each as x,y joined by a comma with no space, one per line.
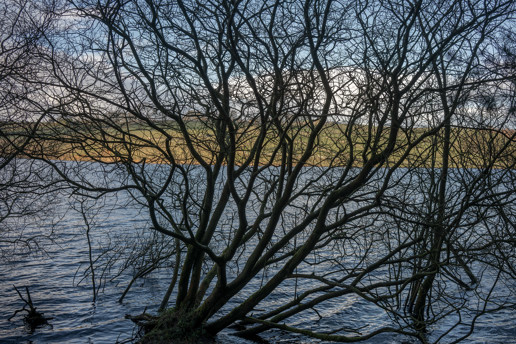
470,148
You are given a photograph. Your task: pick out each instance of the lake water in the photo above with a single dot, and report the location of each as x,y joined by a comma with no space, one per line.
55,275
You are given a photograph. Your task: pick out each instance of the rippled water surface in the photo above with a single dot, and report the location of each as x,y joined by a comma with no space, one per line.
55,275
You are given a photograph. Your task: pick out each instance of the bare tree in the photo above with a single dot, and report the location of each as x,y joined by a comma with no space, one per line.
340,149
24,25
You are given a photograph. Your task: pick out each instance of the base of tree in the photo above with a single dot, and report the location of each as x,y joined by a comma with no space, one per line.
170,326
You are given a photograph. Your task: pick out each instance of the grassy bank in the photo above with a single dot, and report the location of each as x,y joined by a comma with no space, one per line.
336,145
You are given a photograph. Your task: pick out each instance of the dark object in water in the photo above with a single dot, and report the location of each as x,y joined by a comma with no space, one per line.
33,318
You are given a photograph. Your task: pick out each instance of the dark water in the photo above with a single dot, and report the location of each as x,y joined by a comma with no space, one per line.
55,275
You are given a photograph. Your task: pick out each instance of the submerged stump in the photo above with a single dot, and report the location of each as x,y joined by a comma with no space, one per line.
33,318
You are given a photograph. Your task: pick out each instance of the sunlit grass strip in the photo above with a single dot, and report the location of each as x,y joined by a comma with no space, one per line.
336,145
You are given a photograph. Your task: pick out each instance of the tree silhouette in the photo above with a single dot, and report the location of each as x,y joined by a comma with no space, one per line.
338,149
